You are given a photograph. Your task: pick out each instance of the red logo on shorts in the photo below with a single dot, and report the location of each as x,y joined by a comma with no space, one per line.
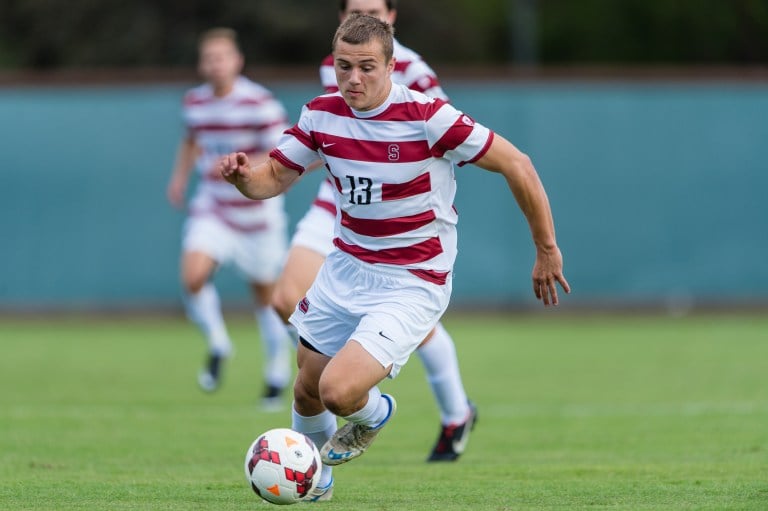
304,305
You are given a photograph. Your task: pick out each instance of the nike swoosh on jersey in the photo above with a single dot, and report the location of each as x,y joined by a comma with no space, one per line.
328,145
381,333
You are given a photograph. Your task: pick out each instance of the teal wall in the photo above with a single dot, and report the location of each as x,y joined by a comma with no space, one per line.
658,191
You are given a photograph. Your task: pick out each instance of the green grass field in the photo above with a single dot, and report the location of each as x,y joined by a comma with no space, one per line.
593,412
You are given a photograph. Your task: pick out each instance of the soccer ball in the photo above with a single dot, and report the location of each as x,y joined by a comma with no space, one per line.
283,466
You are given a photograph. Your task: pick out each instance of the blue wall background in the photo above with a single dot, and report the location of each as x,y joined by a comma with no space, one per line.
658,191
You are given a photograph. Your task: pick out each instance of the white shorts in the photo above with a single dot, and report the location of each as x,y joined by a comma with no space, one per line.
315,231
389,311
259,256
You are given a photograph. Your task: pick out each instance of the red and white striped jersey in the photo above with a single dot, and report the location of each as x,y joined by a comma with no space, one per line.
410,70
393,172
249,119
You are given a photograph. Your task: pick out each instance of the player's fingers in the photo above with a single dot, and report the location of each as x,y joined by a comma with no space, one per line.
552,287
241,158
563,283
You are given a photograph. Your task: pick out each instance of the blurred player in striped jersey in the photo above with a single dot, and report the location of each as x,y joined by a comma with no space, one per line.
230,113
312,242
390,153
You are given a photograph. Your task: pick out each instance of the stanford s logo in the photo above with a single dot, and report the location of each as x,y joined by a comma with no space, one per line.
393,152
304,305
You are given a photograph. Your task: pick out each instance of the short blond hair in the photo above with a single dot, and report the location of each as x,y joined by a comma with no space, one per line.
362,28
218,33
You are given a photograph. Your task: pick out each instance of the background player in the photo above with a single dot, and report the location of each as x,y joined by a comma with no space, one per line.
230,113
313,241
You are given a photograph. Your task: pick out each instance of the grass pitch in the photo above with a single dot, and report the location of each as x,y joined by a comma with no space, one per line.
597,412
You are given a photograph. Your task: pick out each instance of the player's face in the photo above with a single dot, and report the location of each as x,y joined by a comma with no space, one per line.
220,62
363,74
375,8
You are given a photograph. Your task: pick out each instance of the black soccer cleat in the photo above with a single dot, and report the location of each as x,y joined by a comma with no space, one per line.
209,377
272,399
453,439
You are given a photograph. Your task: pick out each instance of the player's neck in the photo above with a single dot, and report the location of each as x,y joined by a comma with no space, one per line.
221,90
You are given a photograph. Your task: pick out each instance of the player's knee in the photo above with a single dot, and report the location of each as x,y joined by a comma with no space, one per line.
338,398
193,282
306,398
283,302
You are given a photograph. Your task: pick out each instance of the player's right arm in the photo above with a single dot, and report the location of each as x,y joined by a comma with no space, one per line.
182,168
265,180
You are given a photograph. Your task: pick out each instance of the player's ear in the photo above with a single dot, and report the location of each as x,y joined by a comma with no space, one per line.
391,65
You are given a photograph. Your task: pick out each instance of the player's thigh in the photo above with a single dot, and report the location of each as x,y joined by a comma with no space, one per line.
300,270
196,269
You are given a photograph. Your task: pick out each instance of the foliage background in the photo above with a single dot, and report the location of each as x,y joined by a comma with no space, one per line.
56,34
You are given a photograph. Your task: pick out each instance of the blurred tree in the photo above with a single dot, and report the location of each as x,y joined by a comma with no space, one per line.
46,34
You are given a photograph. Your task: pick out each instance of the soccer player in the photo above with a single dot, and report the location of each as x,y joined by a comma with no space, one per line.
230,113
313,241
390,153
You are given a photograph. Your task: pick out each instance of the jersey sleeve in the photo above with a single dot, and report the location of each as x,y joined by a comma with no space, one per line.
328,75
296,148
420,77
273,121
454,135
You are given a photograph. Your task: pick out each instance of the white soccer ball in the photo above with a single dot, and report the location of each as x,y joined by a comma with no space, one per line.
283,466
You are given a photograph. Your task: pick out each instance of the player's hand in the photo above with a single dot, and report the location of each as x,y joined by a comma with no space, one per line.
235,168
177,188
547,273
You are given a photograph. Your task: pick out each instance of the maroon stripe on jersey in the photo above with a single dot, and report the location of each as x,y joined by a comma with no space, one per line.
245,228
419,84
400,256
407,111
237,127
191,100
332,104
329,206
391,191
328,60
252,101
435,277
380,228
372,151
411,111
302,136
402,65
283,159
331,89
337,183
454,136
238,203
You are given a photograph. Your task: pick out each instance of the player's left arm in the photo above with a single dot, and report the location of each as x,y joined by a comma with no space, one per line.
261,180
523,180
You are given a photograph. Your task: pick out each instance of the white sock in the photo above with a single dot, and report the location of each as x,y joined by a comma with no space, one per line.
439,358
375,412
204,309
276,342
293,334
319,429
